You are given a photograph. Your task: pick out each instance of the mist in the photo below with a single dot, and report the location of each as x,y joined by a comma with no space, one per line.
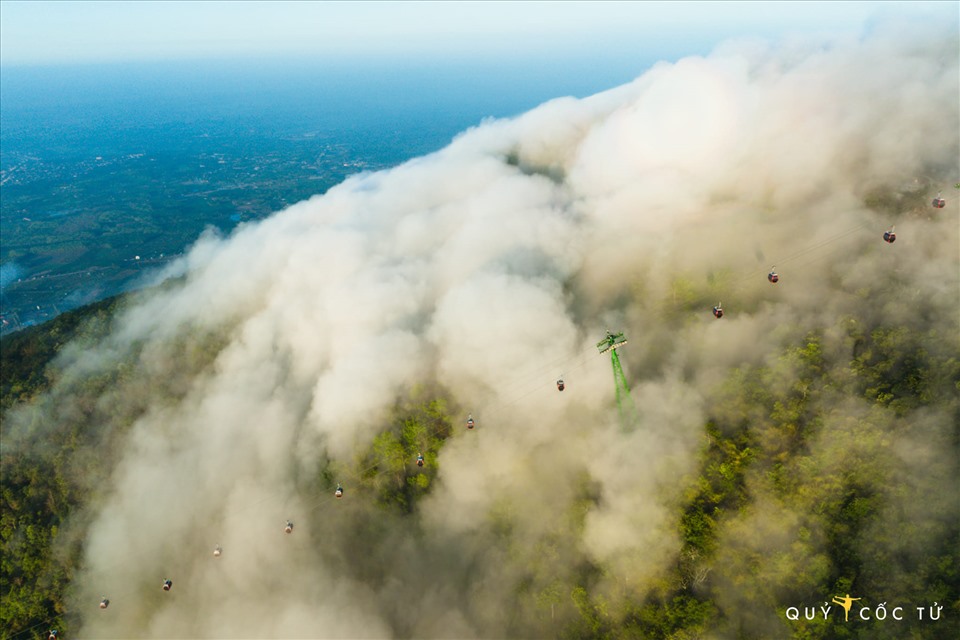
267,362
9,272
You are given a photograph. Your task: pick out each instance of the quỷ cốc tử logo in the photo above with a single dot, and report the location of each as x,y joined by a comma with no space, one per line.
880,612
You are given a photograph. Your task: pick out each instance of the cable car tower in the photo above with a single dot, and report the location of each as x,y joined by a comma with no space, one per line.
611,343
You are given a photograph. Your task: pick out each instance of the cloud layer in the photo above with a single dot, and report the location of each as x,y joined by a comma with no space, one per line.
490,268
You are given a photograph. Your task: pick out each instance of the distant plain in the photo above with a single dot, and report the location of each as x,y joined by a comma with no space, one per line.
107,172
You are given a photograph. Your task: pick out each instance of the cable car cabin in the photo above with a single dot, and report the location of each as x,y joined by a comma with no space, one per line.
717,312
52,634
167,584
939,203
419,460
560,384
104,603
773,277
288,528
470,423
217,550
339,492
889,237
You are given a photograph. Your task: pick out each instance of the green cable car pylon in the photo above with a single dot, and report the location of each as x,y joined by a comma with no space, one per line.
628,412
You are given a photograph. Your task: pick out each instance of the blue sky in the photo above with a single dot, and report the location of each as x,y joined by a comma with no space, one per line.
78,32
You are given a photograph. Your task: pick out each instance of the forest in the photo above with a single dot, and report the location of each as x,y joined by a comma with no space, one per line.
756,450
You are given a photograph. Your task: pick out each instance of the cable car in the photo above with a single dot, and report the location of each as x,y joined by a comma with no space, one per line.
104,603
718,311
419,460
288,528
560,384
217,550
773,276
470,423
339,492
889,236
167,584
53,634
939,202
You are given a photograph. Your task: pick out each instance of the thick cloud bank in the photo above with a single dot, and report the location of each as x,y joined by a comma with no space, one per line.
487,269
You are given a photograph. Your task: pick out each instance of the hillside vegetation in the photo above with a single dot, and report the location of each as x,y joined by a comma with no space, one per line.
847,509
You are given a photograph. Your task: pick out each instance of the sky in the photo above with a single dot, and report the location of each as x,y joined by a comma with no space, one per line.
44,33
